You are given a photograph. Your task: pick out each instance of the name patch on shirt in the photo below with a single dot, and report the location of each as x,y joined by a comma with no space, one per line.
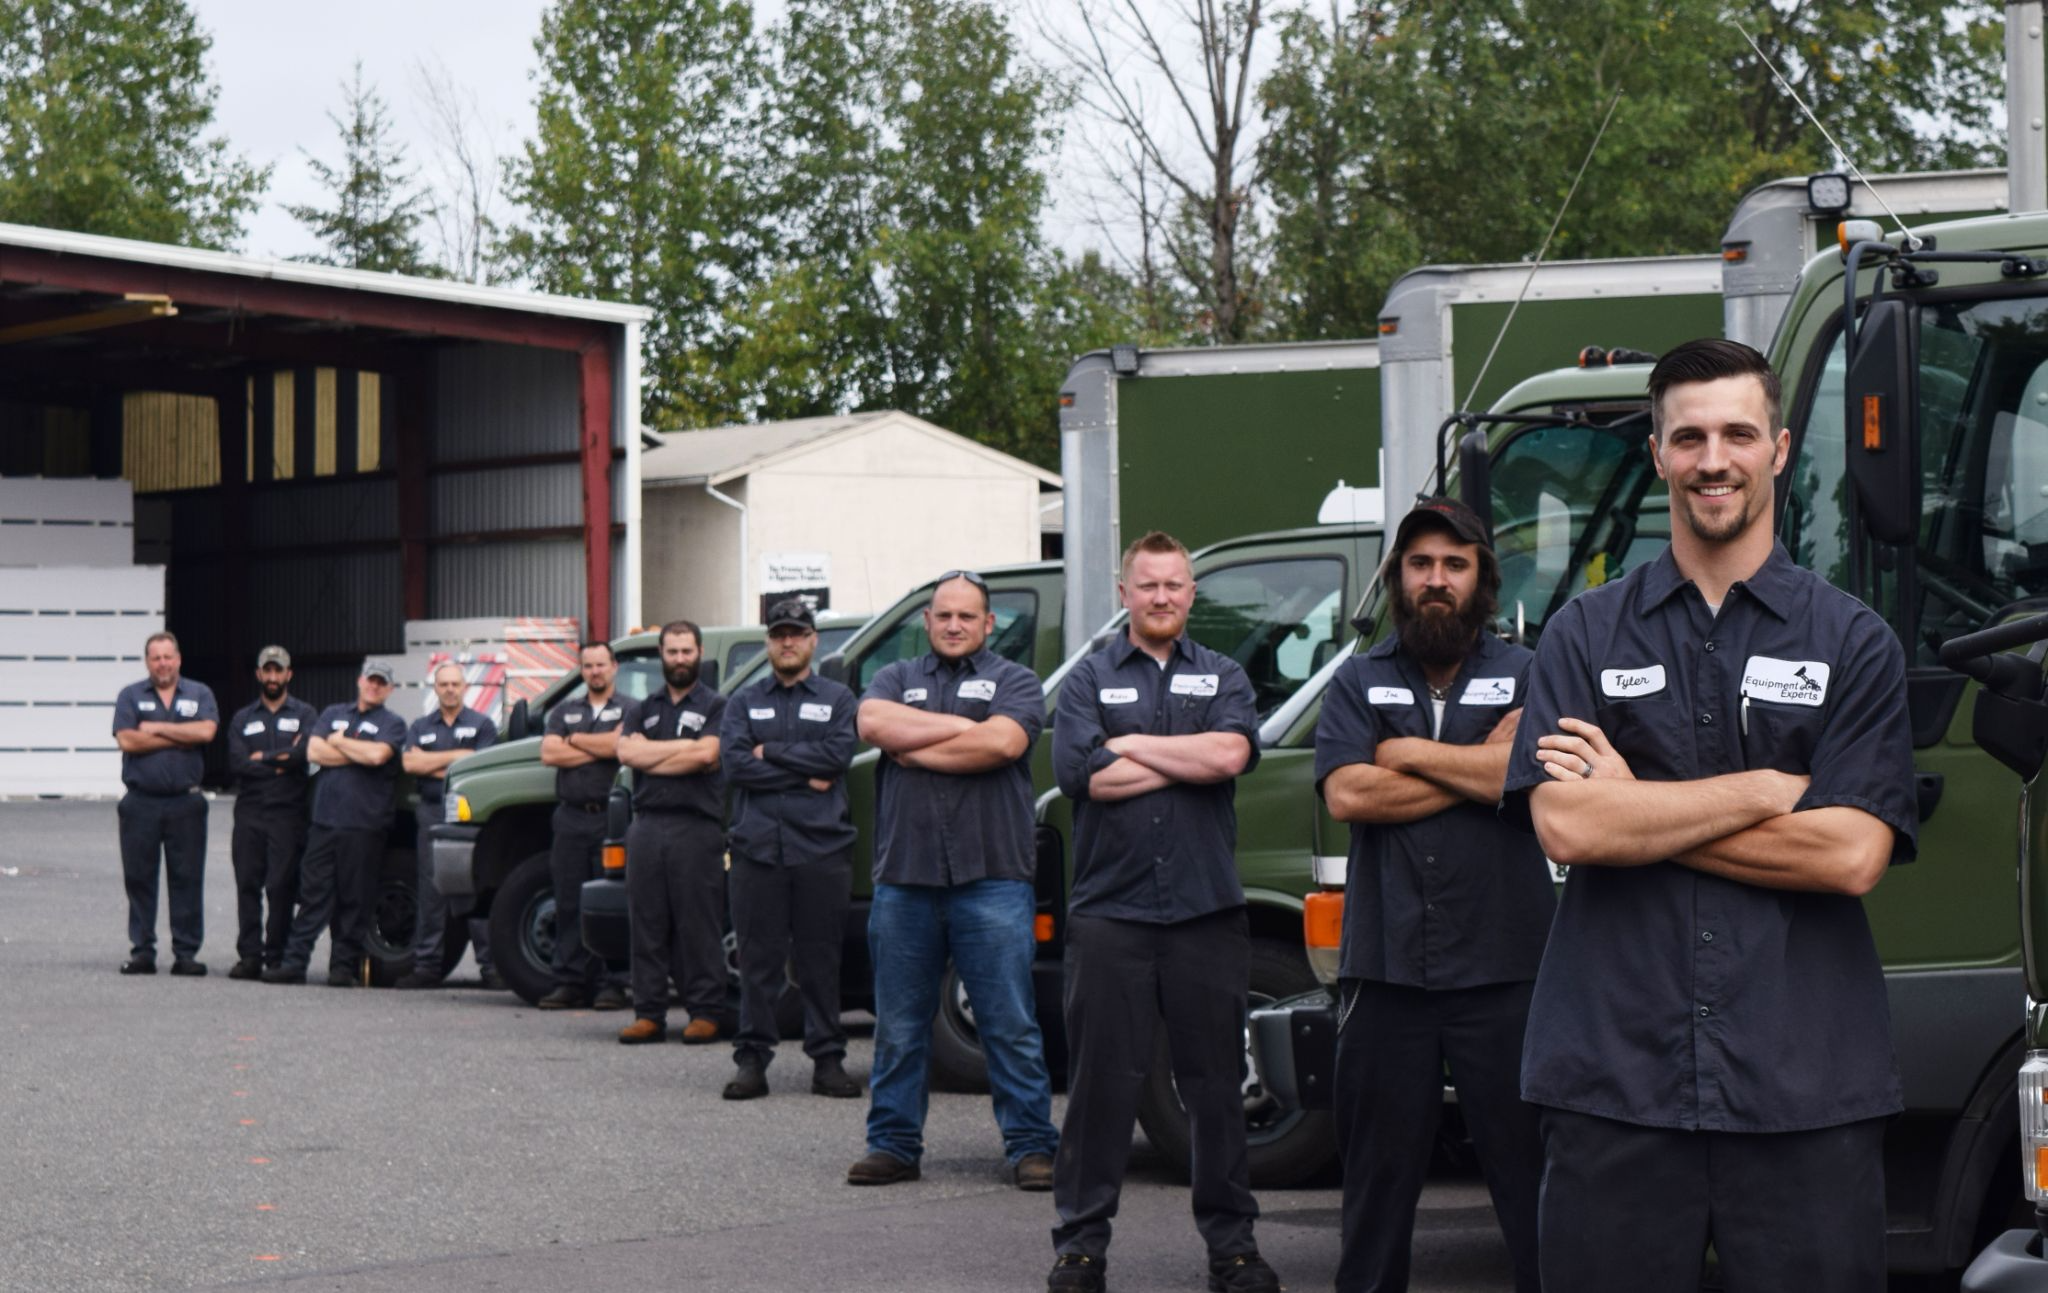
1389,696
1644,680
1119,695
815,713
1192,684
572,718
340,725
606,716
978,689
766,713
693,720
188,708
911,696
1788,682
287,724
650,720
253,728
1488,691
145,705
428,738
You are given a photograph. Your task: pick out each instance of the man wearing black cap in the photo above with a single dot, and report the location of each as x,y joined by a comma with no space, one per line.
435,743
1445,907
356,748
788,740
267,758
162,724
675,848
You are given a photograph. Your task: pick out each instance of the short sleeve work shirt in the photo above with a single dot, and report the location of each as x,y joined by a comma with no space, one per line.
1457,899
1170,854
590,783
353,796
663,718
278,779
1673,998
805,730
940,828
436,735
164,772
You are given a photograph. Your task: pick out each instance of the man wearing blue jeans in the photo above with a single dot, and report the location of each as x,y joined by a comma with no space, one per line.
953,877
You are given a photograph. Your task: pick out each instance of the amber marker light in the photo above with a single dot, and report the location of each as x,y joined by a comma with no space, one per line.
614,860
1041,927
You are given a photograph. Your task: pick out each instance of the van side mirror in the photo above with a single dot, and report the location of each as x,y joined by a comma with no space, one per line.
1882,394
833,667
1475,477
518,723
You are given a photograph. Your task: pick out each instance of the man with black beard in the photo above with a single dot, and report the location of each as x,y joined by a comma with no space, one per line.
675,848
267,758
1446,908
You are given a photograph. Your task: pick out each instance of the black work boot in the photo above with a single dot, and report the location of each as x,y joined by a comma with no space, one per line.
1077,1273
1242,1273
751,1082
830,1078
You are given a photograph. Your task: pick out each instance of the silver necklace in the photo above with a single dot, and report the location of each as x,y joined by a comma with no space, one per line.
1439,693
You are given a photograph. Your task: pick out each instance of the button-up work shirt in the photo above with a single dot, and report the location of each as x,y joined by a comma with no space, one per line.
1459,898
805,730
941,828
1169,854
278,779
1673,998
591,783
164,772
436,735
353,796
663,718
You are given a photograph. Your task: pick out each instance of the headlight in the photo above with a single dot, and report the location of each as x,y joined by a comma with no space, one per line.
2034,1125
457,809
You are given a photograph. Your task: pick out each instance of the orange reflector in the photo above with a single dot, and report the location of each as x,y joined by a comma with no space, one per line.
1735,255
2041,1169
1066,399
1842,236
1041,928
1388,327
614,857
1873,422
1322,919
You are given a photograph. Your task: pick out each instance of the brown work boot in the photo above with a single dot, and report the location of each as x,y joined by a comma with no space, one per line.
642,1031
1033,1172
877,1168
700,1031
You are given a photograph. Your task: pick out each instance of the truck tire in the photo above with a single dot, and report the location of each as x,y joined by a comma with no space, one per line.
523,929
1285,1146
957,1063
388,929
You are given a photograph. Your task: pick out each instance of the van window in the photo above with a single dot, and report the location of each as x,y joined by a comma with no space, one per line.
1016,612
638,678
1281,619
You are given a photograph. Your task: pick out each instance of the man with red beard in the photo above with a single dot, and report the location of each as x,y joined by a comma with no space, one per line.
1445,907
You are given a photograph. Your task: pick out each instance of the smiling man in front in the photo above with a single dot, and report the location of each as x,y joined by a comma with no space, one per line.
1717,745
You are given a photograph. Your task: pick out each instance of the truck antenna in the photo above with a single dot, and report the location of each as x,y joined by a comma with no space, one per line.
1912,240
1473,391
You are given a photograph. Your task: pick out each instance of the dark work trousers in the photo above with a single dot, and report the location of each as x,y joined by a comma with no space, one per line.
173,826
790,917
675,901
337,892
1124,978
1629,1208
265,846
572,859
1392,1045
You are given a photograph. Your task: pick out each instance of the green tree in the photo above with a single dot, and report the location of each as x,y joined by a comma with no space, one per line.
1402,133
640,182
105,114
377,207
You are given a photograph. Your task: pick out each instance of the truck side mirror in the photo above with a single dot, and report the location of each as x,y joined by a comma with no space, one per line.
707,673
1475,477
518,723
1884,454
618,813
833,667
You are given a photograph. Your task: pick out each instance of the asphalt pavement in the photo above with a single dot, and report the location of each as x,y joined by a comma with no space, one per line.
173,1133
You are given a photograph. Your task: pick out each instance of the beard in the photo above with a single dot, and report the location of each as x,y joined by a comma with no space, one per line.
1725,529
272,689
682,677
1435,629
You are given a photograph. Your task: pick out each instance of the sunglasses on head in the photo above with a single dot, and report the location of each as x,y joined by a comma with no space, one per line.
967,575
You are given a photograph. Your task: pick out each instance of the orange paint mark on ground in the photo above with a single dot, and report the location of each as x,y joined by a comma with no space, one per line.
268,1257
248,1122
245,1039
239,1094
266,1207
240,1067
259,1160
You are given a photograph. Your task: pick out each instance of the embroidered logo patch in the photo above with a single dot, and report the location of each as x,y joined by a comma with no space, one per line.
814,713
187,708
253,728
287,724
1193,684
1644,680
1787,682
693,720
1488,691
978,689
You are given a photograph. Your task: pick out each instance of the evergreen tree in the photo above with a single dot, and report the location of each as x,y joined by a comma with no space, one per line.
376,208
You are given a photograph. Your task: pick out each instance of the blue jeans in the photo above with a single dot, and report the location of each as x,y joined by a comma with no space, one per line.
986,928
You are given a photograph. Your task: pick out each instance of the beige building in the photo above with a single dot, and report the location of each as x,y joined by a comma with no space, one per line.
860,507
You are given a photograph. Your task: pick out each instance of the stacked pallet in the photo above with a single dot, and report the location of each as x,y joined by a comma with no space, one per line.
506,660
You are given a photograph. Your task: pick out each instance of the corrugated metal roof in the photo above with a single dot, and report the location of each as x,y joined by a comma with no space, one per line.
284,271
720,454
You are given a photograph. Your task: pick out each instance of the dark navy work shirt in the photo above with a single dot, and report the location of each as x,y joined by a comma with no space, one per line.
590,783
660,718
436,735
1169,854
164,772
1457,899
805,730
278,779
1673,998
942,828
352,796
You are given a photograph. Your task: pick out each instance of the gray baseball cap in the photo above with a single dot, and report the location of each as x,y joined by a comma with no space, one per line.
276,655
374,668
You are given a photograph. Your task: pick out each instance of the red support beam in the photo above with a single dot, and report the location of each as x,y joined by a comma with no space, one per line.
415,420
596,444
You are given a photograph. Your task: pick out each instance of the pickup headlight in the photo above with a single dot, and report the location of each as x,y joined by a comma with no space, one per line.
2034,1125
456,808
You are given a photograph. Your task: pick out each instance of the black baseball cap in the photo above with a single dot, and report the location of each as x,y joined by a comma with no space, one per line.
1443,513
791,611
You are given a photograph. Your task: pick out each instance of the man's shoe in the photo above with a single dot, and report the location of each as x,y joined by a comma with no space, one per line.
493,981
830,1077
189,968
1242,1273
700,1031
247,968
342,979
138,965
283,974
610,998
564,998
1077,1273
642,1031
750,1083
878,1168
1033,1172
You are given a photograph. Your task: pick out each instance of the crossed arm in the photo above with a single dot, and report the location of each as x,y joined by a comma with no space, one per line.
431,763
150,736
1413,777
678,758
1740,826
578,748
917,738
1149,763
340,751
